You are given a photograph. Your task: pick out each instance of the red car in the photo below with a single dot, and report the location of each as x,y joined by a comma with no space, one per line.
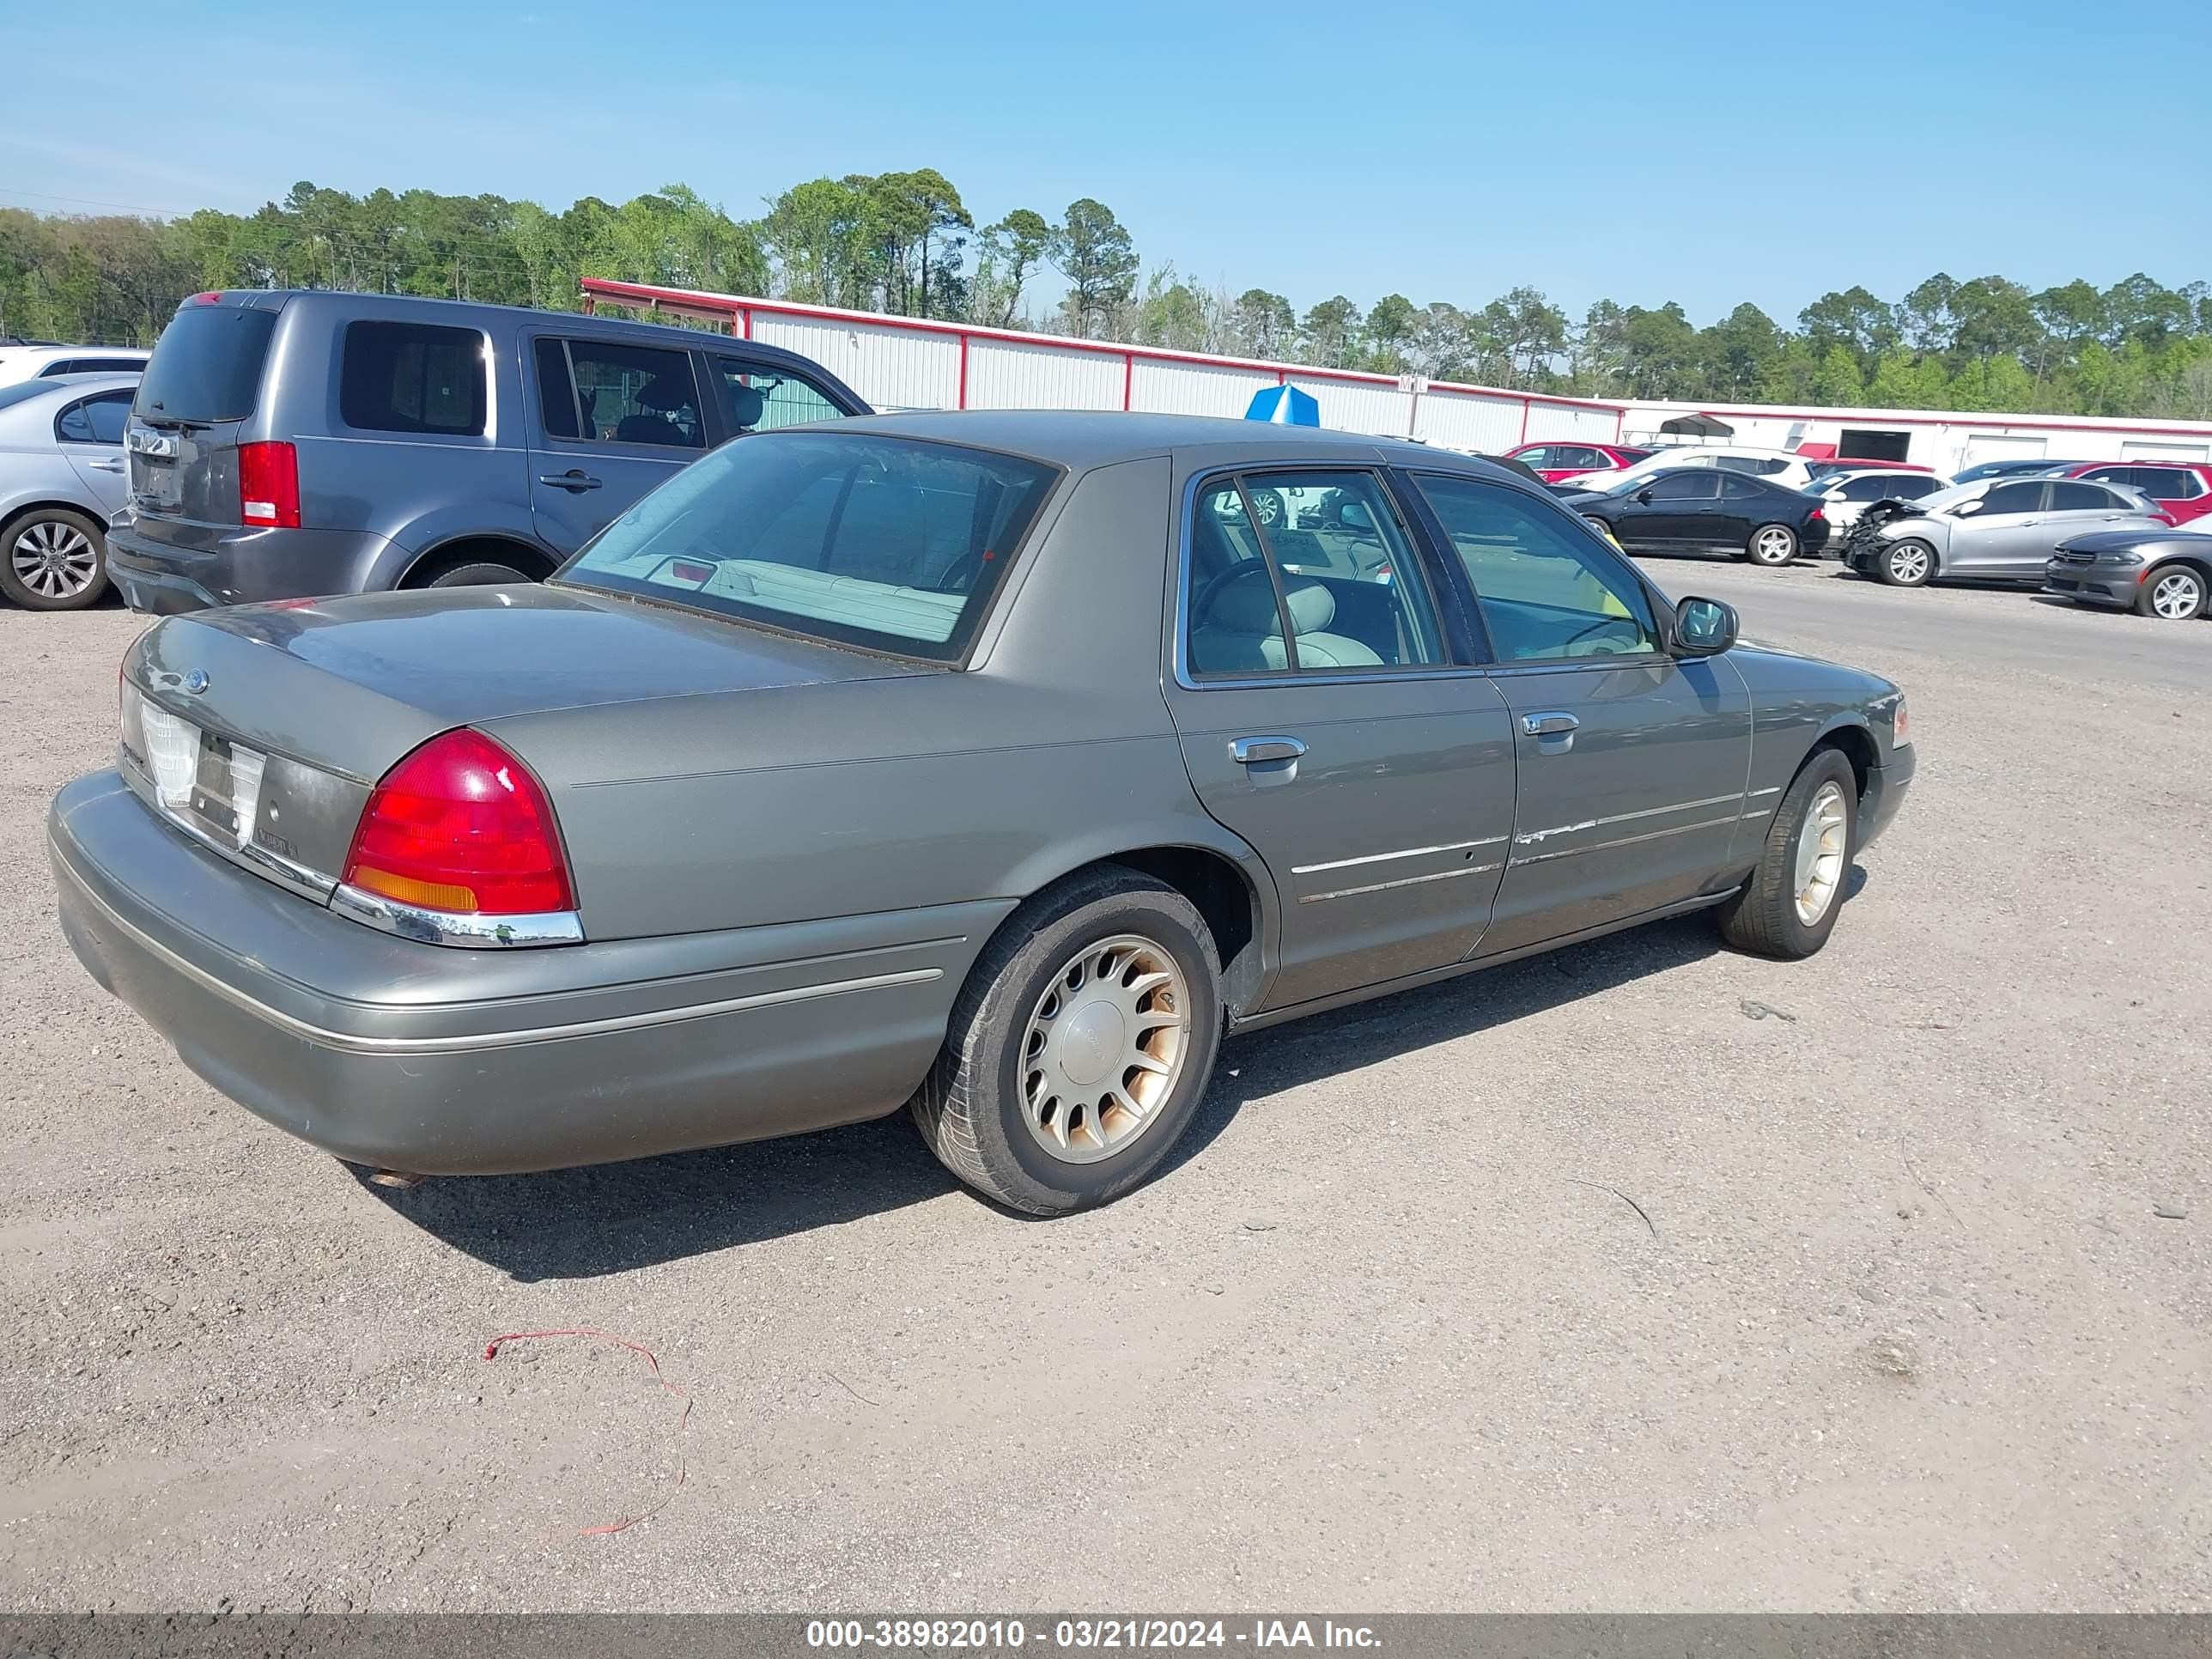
2182,489
1553,461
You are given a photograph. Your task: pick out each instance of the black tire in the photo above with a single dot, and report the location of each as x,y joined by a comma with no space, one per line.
2169,584
1784,551
1763,918
477,573
1270,506
970,1109
29,537
1916,558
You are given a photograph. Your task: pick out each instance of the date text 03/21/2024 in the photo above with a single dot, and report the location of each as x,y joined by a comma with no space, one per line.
1006,1634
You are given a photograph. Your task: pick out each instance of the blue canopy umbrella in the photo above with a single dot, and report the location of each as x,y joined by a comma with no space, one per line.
1286,405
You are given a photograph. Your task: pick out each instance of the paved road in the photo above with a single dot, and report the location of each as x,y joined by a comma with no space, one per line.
1902,1329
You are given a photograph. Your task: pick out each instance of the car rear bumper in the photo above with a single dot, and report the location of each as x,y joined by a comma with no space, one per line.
238,567
447,1061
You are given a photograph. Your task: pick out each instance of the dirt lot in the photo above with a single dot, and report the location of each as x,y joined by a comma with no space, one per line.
1904,1330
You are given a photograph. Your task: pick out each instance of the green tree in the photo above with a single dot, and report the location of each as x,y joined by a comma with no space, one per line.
1839,383
1094,251
1007,256
1265,326
1330,333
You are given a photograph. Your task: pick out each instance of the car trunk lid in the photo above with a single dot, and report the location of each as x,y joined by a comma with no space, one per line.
261,730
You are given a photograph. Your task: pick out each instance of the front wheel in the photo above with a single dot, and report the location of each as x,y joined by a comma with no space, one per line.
53,559
1771,544
480,572
2174,594
1910,562
1080,1046
1788,909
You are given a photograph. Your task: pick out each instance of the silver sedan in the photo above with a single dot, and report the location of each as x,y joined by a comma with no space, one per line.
61,477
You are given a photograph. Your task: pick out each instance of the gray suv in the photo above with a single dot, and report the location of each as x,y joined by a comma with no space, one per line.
287,444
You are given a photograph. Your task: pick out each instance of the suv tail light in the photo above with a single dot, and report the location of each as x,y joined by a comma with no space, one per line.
461,826
269,485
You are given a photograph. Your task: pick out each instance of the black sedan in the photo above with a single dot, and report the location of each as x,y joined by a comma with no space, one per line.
2163,574
1708,509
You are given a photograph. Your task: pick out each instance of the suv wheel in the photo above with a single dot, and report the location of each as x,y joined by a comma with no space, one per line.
1079,1048
476,573
53,559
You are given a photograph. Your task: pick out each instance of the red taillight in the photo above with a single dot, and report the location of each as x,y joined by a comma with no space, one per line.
269,485
212,298
461,826
1816,514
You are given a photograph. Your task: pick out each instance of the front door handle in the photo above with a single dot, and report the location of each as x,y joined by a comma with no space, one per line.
575,480
1247,752
1549,725
106,464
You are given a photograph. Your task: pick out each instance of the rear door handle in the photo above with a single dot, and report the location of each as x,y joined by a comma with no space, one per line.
575,480
109,464
1549,725
1247,752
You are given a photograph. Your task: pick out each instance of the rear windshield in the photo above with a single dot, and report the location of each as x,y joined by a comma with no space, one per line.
884,543
207,364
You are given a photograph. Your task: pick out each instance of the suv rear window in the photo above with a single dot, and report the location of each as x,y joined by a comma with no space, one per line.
885,542
207,364
410,377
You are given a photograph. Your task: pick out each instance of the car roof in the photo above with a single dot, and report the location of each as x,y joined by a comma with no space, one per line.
462,314
1080,440
60,386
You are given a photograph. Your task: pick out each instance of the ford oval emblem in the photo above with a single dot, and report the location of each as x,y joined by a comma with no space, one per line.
197,681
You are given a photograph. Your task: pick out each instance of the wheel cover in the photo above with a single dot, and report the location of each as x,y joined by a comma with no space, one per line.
1773,546
2177,596
55,561
1104,1048
1908,564
1820,850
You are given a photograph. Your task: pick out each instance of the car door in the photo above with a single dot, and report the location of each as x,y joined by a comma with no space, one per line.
1674,513
2076,508
2004,539
611,420
1633,764
1333,721
89,432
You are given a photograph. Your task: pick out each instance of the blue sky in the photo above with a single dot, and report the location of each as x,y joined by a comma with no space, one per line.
1708,153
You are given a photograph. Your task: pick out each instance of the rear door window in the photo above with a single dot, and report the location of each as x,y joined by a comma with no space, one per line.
207,364
757,398
2067,496
94,421
1910,488
1700,486
1324,548
1866,489
410,377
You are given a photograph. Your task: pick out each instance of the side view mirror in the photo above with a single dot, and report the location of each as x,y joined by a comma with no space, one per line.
1643,496
1703,628
1967,509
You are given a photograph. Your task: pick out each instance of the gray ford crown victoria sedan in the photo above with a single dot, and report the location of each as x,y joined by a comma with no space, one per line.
996,762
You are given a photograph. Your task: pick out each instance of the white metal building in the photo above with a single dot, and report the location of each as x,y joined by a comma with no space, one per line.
906,362
1942,440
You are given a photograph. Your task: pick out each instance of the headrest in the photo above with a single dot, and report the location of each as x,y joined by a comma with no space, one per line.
1247,606
663,393
746,404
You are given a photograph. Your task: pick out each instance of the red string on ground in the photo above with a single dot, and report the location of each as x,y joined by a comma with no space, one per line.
683,1423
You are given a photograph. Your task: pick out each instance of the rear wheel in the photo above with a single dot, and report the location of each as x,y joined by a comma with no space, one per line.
2172,594
52,559
1788,909
1079,1048
1771,544
1910,562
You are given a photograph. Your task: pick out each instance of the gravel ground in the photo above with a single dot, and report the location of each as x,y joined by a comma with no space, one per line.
1904,1330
